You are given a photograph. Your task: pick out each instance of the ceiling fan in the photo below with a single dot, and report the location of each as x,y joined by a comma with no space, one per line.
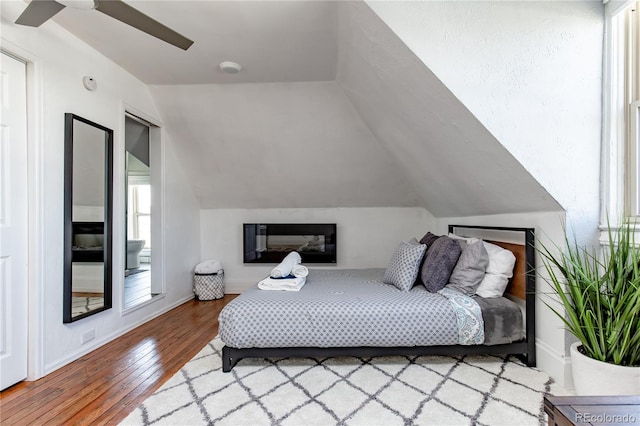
39,11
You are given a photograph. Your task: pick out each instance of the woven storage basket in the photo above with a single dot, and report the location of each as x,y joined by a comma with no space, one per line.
209,286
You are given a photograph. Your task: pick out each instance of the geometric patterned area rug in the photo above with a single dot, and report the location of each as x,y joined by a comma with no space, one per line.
425,390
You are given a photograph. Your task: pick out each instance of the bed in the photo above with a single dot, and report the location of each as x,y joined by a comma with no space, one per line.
88,242
346,312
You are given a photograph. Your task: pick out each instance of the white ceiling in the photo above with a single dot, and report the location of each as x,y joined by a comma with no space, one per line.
336,111
274,41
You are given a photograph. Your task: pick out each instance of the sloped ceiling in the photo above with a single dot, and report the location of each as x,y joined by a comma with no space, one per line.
279,145
388,133
459,168
331,110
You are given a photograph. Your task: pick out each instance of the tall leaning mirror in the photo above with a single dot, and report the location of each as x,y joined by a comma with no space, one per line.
88,201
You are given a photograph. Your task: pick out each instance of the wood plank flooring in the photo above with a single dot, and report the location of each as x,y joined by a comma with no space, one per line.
104,386
137,287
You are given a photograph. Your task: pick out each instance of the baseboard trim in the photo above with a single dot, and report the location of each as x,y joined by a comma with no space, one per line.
51,367
556,364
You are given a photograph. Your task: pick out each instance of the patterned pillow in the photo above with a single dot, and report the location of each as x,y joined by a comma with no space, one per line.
405,264
439,262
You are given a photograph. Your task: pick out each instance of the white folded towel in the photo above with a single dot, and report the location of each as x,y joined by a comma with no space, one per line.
208,267
300,271
287,284
283,269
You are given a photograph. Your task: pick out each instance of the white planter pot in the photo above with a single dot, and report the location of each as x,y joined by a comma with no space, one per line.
593,377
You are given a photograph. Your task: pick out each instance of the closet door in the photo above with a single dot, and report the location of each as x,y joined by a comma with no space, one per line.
13,222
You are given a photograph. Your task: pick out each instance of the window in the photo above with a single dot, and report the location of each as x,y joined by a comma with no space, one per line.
621,111
140,213
633,184
632,103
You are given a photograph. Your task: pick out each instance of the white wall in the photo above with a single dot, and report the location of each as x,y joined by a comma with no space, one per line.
61,61
366,237
452,160
531,73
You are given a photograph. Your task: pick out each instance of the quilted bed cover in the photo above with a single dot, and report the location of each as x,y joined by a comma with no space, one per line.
353,307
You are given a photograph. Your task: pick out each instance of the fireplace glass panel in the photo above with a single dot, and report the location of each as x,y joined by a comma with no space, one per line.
270,242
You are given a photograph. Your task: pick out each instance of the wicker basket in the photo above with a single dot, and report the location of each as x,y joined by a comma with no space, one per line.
209,286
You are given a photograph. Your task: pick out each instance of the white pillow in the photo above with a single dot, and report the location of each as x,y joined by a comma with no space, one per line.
465,239
499,270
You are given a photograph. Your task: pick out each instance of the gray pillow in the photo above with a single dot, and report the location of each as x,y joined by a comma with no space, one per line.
428,239
469,271
404,265
439,262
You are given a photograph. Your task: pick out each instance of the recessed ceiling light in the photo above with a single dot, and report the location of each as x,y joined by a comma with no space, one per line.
230,67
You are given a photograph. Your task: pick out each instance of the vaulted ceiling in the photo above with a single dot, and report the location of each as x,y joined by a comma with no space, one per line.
274,41
332,109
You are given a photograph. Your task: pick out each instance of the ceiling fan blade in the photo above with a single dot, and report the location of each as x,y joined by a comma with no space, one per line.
38,12
123,12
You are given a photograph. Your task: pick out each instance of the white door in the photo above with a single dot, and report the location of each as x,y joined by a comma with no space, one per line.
13,222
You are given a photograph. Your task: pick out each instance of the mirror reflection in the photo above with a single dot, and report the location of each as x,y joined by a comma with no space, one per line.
137,286
88,183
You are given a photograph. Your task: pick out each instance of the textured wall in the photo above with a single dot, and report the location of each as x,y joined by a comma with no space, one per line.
457,166
531,73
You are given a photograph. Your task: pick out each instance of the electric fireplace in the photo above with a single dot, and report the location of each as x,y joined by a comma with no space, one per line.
270,242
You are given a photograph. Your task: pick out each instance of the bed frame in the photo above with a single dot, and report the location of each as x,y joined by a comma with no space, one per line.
521,286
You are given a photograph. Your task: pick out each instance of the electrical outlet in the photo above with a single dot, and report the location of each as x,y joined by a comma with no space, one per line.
88,336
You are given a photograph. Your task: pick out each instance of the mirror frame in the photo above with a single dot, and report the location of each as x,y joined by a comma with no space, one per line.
69,119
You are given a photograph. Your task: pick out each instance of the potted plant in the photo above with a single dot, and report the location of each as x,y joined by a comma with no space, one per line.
600,293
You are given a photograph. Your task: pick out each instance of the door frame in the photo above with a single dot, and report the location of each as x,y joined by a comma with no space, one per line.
158,214
35,207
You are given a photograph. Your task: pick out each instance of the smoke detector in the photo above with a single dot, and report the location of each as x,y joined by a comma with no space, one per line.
89,83
230,67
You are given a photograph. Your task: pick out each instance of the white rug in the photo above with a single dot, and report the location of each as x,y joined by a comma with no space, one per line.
478,390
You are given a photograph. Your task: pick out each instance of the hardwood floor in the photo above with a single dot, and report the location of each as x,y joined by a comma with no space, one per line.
104,386
137,286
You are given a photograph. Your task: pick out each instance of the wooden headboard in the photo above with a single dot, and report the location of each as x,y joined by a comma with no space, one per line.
518,283
523,281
